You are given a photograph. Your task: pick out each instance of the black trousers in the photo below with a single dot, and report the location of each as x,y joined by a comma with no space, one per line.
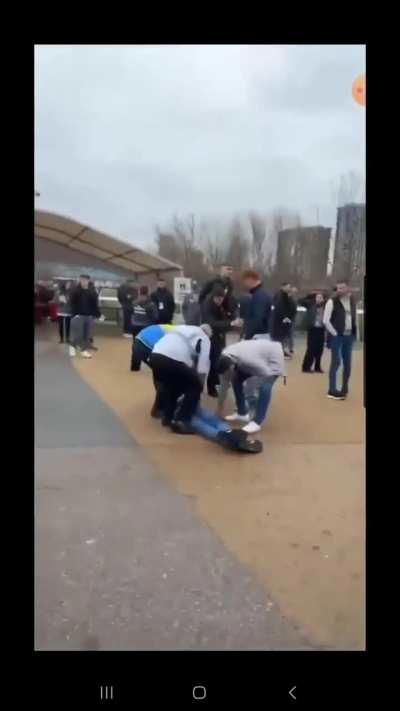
127,313
173,379
64,327
315,349
140,354
216,349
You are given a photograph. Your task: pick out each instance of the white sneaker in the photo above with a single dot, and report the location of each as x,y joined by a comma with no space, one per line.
86,354
237,417
72,351
127,335
251,428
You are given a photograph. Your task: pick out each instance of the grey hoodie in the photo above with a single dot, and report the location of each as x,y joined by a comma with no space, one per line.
260,357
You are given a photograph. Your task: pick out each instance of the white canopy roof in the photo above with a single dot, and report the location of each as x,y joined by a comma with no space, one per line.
89,241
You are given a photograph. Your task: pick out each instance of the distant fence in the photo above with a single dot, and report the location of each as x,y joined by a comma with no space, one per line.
113,317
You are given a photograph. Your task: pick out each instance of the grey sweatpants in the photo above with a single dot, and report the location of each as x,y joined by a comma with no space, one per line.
81,331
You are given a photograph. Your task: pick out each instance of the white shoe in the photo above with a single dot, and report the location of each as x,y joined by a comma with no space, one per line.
127,335
251,428
72,351
237,417
86,354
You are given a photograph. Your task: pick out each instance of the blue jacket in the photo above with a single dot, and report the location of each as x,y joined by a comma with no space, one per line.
259,311
150,335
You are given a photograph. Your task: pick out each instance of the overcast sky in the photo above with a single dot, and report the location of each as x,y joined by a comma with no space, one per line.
127,136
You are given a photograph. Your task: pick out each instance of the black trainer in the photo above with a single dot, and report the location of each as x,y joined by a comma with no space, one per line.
335,395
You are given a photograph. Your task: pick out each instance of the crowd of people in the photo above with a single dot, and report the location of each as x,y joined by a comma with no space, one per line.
187,359
75,307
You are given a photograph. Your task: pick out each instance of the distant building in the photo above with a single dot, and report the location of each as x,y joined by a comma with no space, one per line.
349,253
302,255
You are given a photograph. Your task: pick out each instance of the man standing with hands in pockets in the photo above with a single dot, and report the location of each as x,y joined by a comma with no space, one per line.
340,322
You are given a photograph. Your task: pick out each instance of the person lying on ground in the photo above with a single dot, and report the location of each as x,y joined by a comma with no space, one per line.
180,362
209,425
241,361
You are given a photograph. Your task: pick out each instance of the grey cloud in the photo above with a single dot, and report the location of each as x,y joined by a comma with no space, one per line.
127,136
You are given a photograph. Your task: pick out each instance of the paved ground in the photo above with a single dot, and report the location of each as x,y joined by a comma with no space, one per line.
295,515
123,560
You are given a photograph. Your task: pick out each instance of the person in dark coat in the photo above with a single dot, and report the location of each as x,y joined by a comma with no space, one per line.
314,323
127,294
283,316
191,310
340,320
84,303
225,280
63,312
144,312
213,313
258,309
164,302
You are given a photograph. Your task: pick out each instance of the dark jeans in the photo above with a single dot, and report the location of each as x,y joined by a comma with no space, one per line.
215,353
341,350
263,399
174,379
315,348
127,313
140,353
64,327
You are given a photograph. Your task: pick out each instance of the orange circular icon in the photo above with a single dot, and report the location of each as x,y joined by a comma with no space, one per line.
358,90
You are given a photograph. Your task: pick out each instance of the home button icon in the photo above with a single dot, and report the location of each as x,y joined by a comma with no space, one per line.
199,693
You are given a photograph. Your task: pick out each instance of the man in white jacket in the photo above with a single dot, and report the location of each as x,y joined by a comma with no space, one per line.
180,362
261,358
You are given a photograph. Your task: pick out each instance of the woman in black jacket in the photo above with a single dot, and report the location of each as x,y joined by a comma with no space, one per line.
213,313
315,305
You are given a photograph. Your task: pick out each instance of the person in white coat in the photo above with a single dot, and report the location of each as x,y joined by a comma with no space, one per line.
180,362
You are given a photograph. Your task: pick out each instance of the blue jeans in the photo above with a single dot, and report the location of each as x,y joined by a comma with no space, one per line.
341,350
207,424
263,397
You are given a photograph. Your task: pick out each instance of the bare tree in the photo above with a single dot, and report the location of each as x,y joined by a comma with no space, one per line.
238,247
259,233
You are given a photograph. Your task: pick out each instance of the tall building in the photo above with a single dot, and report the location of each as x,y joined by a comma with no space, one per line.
302,255
349,254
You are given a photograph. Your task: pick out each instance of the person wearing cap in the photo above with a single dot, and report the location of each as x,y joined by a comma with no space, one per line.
261,358
214,314
180,362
